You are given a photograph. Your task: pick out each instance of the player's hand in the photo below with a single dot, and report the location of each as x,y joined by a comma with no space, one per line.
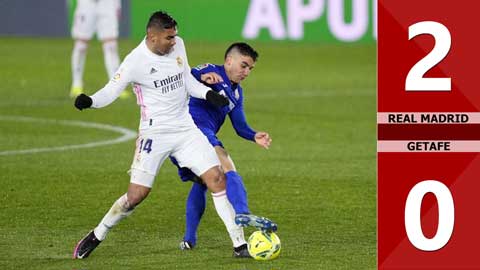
83,101
216,99
211,78
263,139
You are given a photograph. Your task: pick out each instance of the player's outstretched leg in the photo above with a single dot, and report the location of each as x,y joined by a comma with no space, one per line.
260,223
237,195
236,192
117,212
85,246
122,208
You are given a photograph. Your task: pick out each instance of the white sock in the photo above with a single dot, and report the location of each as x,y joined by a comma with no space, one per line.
79,55
110,55
119,210
227,214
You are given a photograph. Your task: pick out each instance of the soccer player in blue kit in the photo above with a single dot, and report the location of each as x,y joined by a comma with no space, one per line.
240,59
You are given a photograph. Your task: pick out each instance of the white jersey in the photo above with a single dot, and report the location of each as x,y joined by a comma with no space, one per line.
162,85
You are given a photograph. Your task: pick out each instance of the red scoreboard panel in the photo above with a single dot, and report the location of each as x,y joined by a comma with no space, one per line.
428,134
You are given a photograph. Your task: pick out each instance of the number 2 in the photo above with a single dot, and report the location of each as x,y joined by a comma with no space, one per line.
415,80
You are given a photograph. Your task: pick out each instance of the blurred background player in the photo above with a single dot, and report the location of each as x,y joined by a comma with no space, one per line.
100,17
240,59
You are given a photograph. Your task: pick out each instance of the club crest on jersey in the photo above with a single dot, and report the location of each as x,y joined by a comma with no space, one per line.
116,77
179,61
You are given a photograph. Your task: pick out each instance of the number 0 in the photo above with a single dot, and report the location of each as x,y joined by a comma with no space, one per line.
446,215
415,80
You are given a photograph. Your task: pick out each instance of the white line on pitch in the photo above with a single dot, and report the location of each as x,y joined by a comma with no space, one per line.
127,134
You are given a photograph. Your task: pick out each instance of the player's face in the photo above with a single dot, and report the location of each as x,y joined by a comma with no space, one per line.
163,41
239,67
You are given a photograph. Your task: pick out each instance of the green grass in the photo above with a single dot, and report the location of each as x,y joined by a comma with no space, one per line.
317,181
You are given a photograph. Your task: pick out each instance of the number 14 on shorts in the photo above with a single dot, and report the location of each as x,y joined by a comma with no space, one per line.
429,200
145,146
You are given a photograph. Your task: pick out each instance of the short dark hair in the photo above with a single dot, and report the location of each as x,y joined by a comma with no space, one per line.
244,49
161,20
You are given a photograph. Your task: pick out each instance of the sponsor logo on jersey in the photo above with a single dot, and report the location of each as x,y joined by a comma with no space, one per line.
153,70
237,94
170,83
202,66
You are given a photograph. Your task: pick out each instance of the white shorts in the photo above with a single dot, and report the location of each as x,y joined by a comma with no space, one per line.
96,16
190,148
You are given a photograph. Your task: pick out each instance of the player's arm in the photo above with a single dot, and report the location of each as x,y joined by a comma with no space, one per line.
207,74
197,89
239,123
108,93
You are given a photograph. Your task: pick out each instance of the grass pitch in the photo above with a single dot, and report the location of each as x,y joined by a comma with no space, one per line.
317,181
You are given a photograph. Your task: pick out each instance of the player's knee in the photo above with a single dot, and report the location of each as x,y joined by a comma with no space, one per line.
110,46
135,198
136,194
81,45
217,176
215,179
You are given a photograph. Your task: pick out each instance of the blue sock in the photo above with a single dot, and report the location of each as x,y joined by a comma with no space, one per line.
195,207
236,193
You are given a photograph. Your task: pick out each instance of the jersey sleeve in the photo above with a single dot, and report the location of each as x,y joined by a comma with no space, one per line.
114,87
202,69
239,123
193,87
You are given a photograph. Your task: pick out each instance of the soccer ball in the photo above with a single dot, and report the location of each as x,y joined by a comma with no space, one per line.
263,246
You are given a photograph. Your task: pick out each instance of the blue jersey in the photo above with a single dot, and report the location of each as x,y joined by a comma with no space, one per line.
210,118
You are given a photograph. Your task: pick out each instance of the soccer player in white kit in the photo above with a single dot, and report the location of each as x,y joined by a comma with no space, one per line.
160,72
100,17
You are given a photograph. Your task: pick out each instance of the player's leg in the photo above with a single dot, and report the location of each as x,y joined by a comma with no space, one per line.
196,203
107,31
79,55
148,158
110,56
125,205
215,181
82,31
121,208
237,194
198,155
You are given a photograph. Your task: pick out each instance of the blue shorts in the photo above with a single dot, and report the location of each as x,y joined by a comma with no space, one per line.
185,173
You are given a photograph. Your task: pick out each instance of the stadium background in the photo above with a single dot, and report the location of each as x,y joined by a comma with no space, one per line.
315,94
